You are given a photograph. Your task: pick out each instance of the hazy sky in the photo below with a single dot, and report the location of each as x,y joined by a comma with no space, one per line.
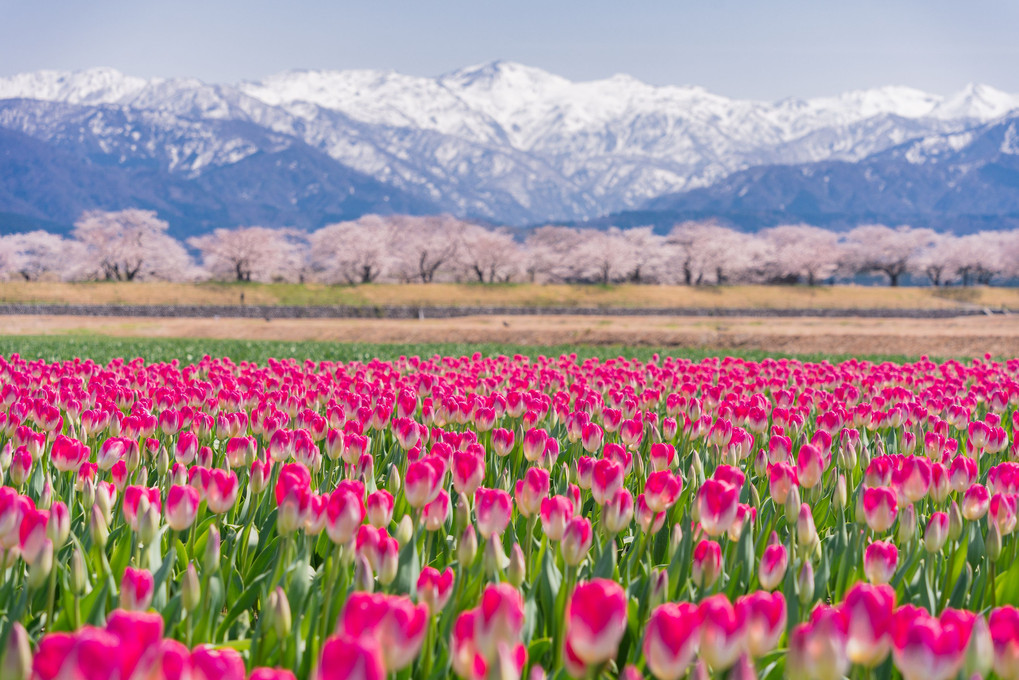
764,49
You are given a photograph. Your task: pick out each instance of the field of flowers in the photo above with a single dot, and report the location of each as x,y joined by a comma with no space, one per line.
508,517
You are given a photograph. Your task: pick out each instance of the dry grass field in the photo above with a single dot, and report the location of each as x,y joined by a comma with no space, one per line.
752,297
955,337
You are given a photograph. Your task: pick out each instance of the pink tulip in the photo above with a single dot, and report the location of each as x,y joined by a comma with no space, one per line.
181,507
556,513
723,632
717,504
662,489
435,514
975,502
211,663
68,454
577,540
1004,627
136,589
781,480
774,563
880,560
423,481
380,508
221,492
606,479
499,620
817,649
531,491
868,610
707,563
617,513
764,619
434,588
494,509
136,500
345,512
880,507
468,471
662,455
394,622
671,639
927,648
809,466
595,621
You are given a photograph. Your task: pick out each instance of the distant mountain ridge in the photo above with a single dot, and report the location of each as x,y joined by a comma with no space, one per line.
500,142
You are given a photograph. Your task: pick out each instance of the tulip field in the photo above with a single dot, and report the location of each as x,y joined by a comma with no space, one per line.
508,517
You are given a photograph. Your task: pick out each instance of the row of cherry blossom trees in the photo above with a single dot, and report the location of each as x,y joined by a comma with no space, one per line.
132,245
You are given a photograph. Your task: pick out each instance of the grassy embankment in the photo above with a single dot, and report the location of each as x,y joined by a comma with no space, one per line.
441,294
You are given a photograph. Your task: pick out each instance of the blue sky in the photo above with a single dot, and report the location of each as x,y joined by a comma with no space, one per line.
765,49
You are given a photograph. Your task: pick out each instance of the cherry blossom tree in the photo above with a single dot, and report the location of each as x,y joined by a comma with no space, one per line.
358,251
707,252
938,260
649,254
978,258
37,255
892,252
801,252
252,254
424,246
552,255
131,245
489,255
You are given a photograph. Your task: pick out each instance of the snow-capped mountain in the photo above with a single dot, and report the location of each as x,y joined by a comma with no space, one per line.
500,141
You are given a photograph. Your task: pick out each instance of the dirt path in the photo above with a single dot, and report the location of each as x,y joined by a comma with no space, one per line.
970,336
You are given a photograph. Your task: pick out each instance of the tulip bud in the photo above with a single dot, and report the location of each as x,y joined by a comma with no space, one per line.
191,589
88,494
404,530
806,532
39,571
980,651
516,573
277,613
755,497
907,524
467,549
792,505
840,494
659,588
98,530
954,522
495,559
364,580
675,540
393,482
46,497
210,562
707,564
162,462
17,658
937,532
388,567
805,584
79,574
462,513
696,468
992,544
59,525
104,501
148,524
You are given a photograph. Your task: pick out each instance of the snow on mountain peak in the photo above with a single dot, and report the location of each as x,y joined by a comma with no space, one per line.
981,102
91,86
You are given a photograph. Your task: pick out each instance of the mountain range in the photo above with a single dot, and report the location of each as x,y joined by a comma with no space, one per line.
502,143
